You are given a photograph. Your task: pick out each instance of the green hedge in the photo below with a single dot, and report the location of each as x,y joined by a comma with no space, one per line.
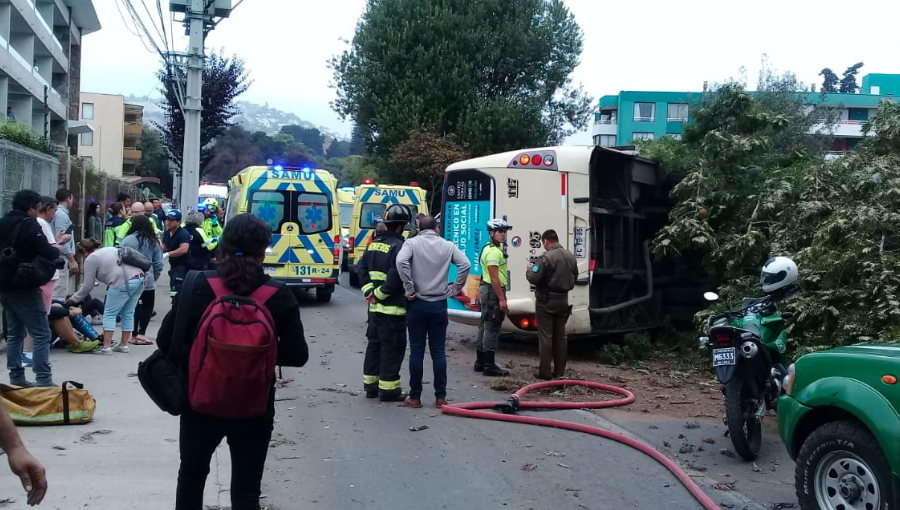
20,134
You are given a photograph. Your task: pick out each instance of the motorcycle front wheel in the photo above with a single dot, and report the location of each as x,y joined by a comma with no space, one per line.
740,412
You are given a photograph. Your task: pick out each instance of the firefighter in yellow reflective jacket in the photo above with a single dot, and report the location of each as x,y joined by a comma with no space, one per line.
380,283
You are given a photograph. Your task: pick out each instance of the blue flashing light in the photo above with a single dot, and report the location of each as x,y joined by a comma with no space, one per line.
278,168
307,170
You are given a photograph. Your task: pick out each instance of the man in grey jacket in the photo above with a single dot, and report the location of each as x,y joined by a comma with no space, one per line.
424,266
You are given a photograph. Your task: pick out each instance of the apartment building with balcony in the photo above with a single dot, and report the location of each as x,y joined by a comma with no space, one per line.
40,61
632,116
113,144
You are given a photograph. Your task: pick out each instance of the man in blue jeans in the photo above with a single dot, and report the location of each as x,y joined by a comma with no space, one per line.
23,305
424,265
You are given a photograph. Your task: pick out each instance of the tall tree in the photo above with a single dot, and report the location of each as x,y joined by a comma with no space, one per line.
848,82
495,73
339,149
232,152
224,79
310,137
357,144
830,81
154,160
424,157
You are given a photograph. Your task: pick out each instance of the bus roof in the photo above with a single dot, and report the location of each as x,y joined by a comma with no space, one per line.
572,158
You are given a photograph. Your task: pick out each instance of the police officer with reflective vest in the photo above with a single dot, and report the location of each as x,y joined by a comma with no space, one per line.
380,283
553,275
492,298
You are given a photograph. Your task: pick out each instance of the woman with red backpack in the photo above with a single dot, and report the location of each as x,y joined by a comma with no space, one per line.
238,323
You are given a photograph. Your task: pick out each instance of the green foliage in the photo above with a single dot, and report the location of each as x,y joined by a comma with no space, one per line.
494,73
22,135
632,347
830,81
848,82
351,170
224,79
756,186
154,160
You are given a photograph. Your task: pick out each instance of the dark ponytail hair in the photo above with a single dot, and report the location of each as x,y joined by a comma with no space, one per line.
143,227
241,249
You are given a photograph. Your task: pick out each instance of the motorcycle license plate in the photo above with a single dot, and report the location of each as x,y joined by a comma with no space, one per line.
723,357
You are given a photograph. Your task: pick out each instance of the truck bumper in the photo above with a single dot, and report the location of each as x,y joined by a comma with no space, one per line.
790,412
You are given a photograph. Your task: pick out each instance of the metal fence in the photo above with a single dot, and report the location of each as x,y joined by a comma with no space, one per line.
22,168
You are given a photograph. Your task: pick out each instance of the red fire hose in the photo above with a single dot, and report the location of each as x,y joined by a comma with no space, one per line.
514,403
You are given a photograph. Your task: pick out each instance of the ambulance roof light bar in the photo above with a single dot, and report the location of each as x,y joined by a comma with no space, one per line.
368,180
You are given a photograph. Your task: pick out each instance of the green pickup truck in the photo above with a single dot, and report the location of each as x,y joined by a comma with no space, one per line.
839,421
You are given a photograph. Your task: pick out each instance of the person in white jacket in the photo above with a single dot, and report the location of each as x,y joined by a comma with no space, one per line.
126,283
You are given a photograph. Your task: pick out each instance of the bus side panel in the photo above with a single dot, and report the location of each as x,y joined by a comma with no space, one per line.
576,240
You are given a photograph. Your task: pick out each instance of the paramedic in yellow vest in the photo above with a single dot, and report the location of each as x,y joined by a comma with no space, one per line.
137,209
492,299
211,226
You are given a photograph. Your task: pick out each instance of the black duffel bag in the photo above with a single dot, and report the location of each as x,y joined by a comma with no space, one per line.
160,374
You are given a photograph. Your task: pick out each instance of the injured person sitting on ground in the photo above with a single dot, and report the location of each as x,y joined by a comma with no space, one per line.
65,321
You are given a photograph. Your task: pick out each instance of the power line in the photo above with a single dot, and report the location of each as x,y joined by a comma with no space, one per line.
134,31
153,22
136,17
162,23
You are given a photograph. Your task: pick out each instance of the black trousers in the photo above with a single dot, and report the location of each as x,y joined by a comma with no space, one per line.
248,441
384,354
144,311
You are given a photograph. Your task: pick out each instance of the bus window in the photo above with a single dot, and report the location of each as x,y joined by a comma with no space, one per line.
313,213
346,211
269,206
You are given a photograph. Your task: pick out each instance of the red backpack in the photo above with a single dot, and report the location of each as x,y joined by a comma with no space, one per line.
232,364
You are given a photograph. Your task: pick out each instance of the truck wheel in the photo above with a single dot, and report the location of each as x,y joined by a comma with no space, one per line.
744,428
323,295
841,465
354,279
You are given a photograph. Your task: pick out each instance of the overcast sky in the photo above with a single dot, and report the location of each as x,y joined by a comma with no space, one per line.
647,45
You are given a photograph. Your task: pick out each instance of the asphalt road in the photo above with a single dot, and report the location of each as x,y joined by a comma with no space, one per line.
337,449
333,448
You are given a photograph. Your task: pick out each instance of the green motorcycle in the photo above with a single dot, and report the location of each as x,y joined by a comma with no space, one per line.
747,347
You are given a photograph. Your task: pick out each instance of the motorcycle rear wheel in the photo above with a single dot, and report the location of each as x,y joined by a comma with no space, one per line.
744,428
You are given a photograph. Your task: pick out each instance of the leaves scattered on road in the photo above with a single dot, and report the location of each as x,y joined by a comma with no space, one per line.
89,437
724,486
529,467
416,428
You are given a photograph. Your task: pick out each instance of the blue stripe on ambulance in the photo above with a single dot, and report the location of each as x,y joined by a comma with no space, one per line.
289,257
329,242
412,197
307,243
368,195
361,238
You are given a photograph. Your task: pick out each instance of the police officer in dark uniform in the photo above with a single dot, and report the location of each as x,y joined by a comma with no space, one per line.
380,283
553,275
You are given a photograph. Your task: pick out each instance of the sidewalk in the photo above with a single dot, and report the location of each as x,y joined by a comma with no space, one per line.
128,456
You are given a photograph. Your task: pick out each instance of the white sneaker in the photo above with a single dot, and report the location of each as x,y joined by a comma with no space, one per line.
120,348
103,350
97,321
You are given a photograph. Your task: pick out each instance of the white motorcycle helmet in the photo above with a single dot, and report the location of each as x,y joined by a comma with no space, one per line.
778,273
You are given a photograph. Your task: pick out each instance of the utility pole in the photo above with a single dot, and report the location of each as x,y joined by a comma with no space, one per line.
195,20
198,20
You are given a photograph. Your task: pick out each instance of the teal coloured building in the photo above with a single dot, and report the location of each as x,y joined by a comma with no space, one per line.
632,115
